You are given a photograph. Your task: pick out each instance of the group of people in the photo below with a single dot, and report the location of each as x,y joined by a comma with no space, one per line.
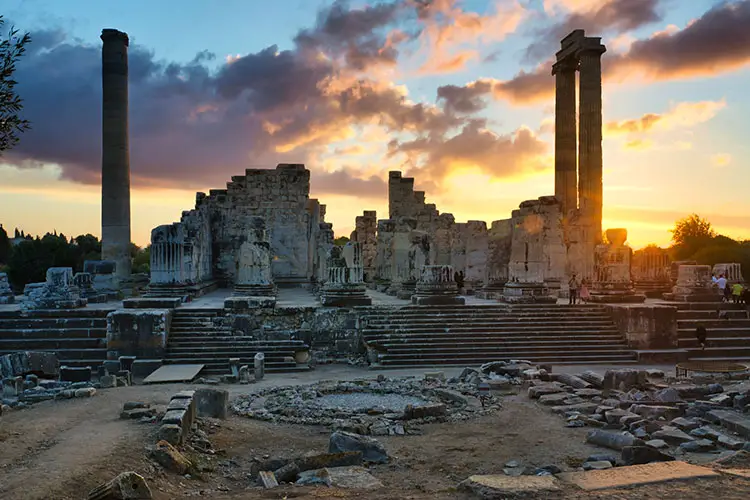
737,293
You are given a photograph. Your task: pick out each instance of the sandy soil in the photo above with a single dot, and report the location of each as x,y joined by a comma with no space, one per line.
61,450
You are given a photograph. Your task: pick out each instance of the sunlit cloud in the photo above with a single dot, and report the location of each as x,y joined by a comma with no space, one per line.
721,160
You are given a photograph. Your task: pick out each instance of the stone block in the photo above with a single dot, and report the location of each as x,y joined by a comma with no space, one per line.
138,332
501,486
75,374
170,458
422,411
624,379
24,362
655,411
672,435
371,449
212,402
180,418
636,455
646,326
612,440
267,479
85,392
137,413
170,433
186,404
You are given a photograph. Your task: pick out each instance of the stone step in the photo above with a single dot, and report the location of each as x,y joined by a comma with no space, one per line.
221,367
508,335
466,350
553,358
479,314
705,306
51,323
58,313
710,314
41,333
198,328
489,321
684,333
714,323
729,353
716,342
473,342
492,331
22,344
70,354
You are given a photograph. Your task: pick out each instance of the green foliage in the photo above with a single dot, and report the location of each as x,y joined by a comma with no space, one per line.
694,239
341,241
142,261
11,49
690,235
5,246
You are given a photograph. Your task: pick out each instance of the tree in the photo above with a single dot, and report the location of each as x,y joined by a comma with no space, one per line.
690,234
11,50
142,261
5,246
341,241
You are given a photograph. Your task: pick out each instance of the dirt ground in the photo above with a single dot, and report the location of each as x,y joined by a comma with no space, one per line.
63,449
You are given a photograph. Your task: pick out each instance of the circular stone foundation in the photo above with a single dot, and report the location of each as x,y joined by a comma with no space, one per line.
378,407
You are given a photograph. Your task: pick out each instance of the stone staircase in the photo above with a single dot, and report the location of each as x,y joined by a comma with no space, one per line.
728,339
198,336
472,334
77,336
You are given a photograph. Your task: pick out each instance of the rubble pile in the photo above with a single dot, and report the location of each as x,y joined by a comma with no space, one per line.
20,392
649,418
375,407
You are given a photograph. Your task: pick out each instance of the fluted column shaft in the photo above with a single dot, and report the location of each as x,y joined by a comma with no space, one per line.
115,152
590,137
565,134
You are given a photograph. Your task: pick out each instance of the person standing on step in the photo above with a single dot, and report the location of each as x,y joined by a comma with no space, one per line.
701,334
583,292
573,287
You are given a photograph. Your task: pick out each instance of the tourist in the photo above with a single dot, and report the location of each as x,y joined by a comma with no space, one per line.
583,293
701,334
722,284
573,286
714,280
737,289
745,299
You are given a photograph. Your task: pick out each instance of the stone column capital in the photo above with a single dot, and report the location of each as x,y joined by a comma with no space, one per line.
591,46
565,65
109,34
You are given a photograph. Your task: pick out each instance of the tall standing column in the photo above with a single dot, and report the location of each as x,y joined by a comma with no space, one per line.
590,134
566,190
115,152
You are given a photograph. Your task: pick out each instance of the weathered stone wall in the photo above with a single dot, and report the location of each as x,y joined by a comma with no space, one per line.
365,229
499,242
280,196
327,330
538,253
138,332
384,251
477,248
646,326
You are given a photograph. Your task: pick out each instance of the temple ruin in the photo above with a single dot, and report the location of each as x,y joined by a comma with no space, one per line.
261,260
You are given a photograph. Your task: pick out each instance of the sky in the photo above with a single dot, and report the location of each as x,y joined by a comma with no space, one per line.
457,94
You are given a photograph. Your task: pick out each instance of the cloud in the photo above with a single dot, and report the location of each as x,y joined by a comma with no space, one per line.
191,127
721,160
614,16
679,115
346,180
447,30
718,42
474,147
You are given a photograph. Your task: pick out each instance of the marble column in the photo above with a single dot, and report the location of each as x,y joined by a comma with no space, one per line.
115,152
566,190
590,134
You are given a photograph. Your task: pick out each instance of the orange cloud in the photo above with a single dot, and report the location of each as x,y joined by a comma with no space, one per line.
639,145
448,27
680,115
451,64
